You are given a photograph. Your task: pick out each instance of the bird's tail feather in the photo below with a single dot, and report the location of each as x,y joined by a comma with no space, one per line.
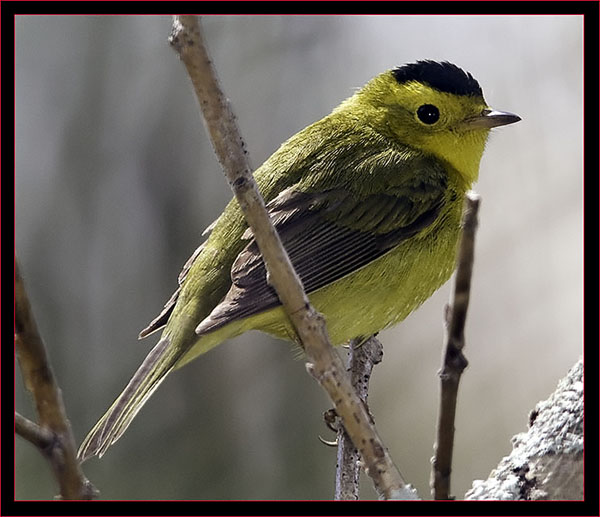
159,362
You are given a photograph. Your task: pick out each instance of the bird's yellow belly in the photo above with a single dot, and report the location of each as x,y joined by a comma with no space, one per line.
375,297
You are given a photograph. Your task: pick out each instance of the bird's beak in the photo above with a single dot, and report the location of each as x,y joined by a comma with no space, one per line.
491,118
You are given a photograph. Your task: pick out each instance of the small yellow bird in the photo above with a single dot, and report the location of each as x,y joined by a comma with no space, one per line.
367,202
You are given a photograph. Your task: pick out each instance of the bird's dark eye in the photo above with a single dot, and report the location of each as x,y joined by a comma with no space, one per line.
428,114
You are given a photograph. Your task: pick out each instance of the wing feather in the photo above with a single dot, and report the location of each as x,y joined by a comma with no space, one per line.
327,235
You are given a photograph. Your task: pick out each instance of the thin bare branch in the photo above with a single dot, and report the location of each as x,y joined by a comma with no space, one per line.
325,364
454,361
40,381
362,357
30,431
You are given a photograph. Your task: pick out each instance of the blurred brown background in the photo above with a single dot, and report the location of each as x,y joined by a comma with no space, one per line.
115,181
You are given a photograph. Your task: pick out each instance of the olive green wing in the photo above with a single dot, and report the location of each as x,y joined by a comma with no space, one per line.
332,233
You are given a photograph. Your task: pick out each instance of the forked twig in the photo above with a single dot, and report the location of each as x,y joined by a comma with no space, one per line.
53,436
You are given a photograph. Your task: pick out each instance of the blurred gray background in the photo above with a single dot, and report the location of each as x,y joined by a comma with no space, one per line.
116,180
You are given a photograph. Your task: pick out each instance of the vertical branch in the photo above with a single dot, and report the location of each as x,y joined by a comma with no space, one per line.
454,362
326,366
362,357
53,436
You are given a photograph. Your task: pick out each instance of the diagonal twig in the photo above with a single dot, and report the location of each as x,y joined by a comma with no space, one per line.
30,431
325,364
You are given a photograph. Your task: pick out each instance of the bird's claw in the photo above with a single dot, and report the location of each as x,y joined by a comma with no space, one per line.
331,419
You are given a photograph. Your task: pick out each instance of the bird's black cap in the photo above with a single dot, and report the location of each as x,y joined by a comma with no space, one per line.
443,76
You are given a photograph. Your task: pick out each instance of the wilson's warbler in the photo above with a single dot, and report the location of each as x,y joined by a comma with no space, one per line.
367,202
